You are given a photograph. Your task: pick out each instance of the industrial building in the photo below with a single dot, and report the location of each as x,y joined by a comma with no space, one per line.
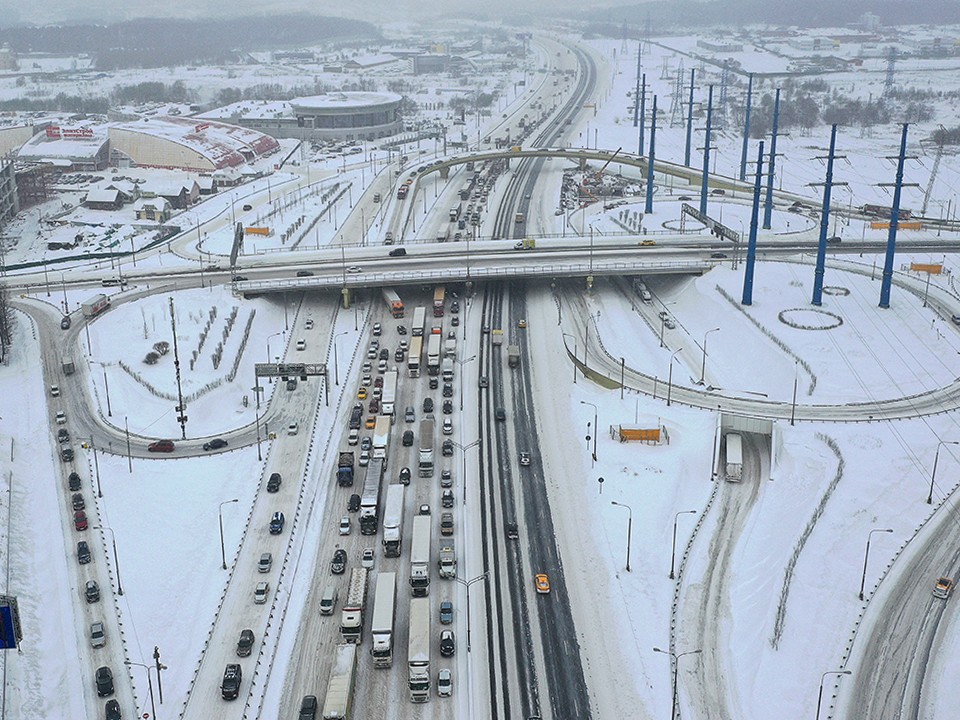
84,148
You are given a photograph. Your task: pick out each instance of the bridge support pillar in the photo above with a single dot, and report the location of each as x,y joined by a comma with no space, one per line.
589,283
582,162
345,296
444,173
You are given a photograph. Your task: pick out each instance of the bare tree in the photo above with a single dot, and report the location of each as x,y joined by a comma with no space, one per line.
6,322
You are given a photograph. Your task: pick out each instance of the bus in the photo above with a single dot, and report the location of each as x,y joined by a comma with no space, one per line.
419,321
734,464
414,356
439,295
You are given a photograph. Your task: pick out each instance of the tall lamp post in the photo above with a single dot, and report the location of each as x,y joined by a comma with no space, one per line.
703,365
116,557
336,363
673,552
820,696
676,662
461,363
595,430
153,706
629,527
936,459
463,456
568,335
223,550
866,556
467,584
670,376
269,338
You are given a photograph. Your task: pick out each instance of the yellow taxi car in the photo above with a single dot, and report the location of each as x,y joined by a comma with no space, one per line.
647,243
943,587
522,323
362,394
370,423
541,583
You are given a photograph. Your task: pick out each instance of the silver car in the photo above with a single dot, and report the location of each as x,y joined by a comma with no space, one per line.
98,637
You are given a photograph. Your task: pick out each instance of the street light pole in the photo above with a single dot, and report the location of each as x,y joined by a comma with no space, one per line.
629,527
673,553
676,663
461,363
467,584
153,706
820,696
116,557
866,555
936,459
703,366
568,335
463,458
596,429
223,550
670,375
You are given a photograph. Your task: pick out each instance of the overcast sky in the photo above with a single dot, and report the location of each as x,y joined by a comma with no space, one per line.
376,11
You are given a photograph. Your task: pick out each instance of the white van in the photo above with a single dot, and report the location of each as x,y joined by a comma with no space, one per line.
301,344
328,601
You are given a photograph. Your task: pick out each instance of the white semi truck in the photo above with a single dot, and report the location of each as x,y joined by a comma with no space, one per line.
351,616
339,698
418,650
420,556
381,629
393,521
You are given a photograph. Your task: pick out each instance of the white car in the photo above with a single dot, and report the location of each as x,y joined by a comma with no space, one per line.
301,344
444,683
308,324
366,558
61,418
293,428
345,525
55,390
364,458
354,269
260,593
98,637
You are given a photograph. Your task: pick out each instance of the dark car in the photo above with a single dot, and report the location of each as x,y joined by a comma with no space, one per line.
834,240
161,446
447,407
214,444
292,384
353,504
407,438
230,686
405,476
245,643
447,448
73,482
78,502
398,355
111,710
104,681
398,252
434,382
401,329
500,414
247,207
448,643
446,612
304,273
339,563
65,322
240,278
483,381
276,523
448,390
512,530
80,520
428,405
273,484
91,591
718,255
83,552
308,708
63,435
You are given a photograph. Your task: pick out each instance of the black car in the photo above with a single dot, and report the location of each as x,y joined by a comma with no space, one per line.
73,482
428,405
230,686
448,644
339,563
247,207
398,252
484,382
384,353
401,329
434,383
512,531
448,407
304,273
407,438
353,504
63,435
448,390
111,710
273,484
447,448
104,682
240,278
500,414
245,643
83,552
308,708
276,523
718,256
405,476
214,444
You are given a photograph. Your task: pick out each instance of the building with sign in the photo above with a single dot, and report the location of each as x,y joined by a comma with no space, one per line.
84,148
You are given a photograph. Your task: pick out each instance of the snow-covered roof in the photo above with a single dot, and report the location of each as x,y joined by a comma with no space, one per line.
64,143
103,195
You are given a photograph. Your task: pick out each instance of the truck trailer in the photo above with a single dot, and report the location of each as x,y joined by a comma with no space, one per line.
370,499
393,301
388,397
351,616
425,457
381,628
393,521
420,556
418,650
734,465
95,305
381,436
513,356
339,697
433,354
